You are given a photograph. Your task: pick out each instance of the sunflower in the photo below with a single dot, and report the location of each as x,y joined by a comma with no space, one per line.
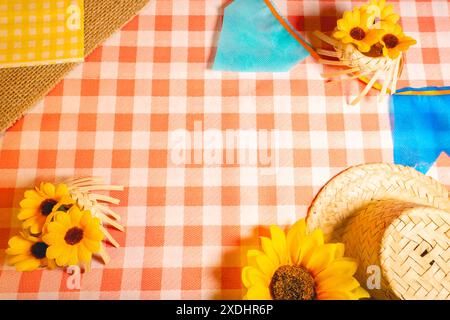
394,40
379,11
39,203
300,266
27,253
73,237
352,28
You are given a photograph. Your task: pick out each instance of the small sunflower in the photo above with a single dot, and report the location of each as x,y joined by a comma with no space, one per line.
39,203
352,28
300,266
27,253
379,11
73,237
394,40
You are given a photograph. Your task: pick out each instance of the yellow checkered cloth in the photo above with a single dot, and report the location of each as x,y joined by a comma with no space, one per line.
35,32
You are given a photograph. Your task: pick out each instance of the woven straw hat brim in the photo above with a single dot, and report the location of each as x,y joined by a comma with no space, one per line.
355,188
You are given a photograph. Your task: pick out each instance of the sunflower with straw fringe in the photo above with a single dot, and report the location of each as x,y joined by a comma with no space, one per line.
300,266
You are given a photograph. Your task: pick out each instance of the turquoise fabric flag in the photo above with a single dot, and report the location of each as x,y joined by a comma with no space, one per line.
420,126
255,37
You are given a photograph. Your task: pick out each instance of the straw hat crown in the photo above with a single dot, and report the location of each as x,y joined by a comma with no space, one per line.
392,218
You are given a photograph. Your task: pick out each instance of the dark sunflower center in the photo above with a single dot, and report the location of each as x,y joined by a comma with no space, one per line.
73,236
39,250
390,40
357,33
47,206
376,50
292,283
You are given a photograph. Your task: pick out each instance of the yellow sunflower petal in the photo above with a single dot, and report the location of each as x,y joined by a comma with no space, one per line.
252,276
347,39
387,10
335,295
94,233
26,213
258,293
392,18
64,219
405,43
51,264
75,217
338,283
55,250
93,246
251,256
86,218
393,53
28,265
244,276
36,228
363,47
321,258
340,34
265,265
63,257
373,36
61,190
268,248
49,189
343,25
341,267
387,27
279,243
53,238
294,240
356,17
93,224
29,203
19,243
360,293
29,222
33,195
56,227
84,254
310,243
13,259
73,255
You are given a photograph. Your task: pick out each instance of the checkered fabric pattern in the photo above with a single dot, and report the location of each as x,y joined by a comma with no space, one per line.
125,112
36,32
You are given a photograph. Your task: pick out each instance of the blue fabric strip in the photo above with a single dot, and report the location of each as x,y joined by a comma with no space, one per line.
253,40
420,127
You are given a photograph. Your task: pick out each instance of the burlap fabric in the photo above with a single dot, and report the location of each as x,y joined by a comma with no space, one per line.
21,88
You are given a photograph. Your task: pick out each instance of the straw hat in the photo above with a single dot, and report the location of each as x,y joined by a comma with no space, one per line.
395,221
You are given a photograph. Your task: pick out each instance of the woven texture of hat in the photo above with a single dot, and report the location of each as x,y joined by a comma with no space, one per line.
402,250
416,255
353,189
21,88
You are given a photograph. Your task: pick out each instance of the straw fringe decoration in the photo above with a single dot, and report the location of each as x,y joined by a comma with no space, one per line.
81,191
358,65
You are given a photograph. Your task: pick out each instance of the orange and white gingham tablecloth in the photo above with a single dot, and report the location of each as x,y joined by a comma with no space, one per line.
122,114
